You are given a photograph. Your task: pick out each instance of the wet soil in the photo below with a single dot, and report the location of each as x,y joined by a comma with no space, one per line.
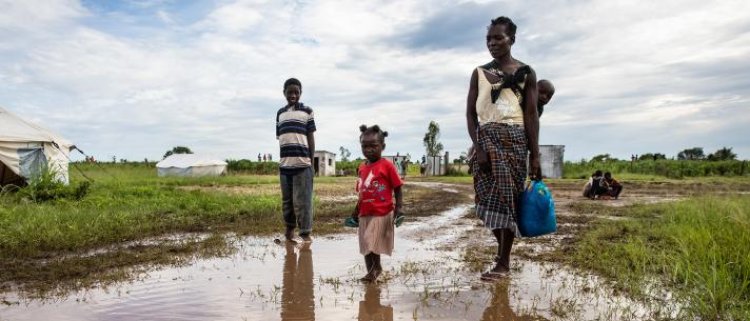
433,275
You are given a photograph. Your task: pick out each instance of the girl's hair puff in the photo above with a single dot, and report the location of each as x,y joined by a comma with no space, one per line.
374,129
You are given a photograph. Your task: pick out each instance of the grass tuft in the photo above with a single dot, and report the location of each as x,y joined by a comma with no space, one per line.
697,247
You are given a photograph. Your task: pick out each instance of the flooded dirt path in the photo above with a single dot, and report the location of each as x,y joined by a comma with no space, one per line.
427,278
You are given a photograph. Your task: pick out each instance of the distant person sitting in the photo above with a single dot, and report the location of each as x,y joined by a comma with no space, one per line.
593,187
614,188
545,91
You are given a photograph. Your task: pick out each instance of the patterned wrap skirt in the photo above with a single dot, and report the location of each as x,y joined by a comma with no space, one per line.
498,191
376,234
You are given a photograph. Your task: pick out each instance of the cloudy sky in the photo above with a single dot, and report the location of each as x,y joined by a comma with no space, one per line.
132,79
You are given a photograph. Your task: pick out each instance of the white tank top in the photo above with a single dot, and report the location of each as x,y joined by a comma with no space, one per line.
506,109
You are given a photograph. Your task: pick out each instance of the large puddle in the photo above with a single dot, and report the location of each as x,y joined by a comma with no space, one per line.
425,279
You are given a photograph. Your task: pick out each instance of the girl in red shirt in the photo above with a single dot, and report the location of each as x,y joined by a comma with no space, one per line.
377,185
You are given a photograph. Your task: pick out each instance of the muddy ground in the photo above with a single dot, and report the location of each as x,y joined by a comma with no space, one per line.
433,275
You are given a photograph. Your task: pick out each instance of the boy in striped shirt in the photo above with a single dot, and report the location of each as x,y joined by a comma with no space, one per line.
295,126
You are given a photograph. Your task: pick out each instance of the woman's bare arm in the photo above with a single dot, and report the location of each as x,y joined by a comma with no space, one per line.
531,124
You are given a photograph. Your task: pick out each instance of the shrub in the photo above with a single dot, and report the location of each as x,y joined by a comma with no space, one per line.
250,167
45,186
661,167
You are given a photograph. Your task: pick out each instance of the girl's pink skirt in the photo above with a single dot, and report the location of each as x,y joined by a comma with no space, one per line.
376,234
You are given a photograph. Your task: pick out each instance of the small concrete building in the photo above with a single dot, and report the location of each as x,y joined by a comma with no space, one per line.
324,163
551,159
435,165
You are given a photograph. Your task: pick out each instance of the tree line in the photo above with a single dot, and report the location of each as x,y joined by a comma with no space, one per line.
695,153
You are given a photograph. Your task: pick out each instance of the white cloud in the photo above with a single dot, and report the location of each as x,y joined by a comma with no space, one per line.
165,17
214,82
233,18
37,15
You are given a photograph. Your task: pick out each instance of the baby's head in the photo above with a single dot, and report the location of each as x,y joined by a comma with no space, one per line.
372,140
546,90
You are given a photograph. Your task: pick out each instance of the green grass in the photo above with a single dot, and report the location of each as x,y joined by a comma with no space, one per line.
643,170
660,168
46,243
128,202
710,182
129,173
697,247
446,179
120,212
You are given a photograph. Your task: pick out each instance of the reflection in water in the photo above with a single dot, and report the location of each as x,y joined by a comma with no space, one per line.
370,309
297,295
206,289
499,309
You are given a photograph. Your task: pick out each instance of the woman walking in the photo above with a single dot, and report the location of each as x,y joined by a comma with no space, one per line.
503,124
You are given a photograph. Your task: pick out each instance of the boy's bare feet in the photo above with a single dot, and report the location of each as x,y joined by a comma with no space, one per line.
289,234
306,238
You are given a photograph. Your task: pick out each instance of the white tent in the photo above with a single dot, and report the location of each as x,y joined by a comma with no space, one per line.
25,148
190,165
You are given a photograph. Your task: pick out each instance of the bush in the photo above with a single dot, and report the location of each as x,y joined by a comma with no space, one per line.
46,187
349,167
662,167
457,170
250,167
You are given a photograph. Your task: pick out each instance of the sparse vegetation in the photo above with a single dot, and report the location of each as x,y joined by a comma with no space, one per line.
696,247
131,221
127,202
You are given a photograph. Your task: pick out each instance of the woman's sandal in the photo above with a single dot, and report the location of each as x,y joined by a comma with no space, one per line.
493,275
